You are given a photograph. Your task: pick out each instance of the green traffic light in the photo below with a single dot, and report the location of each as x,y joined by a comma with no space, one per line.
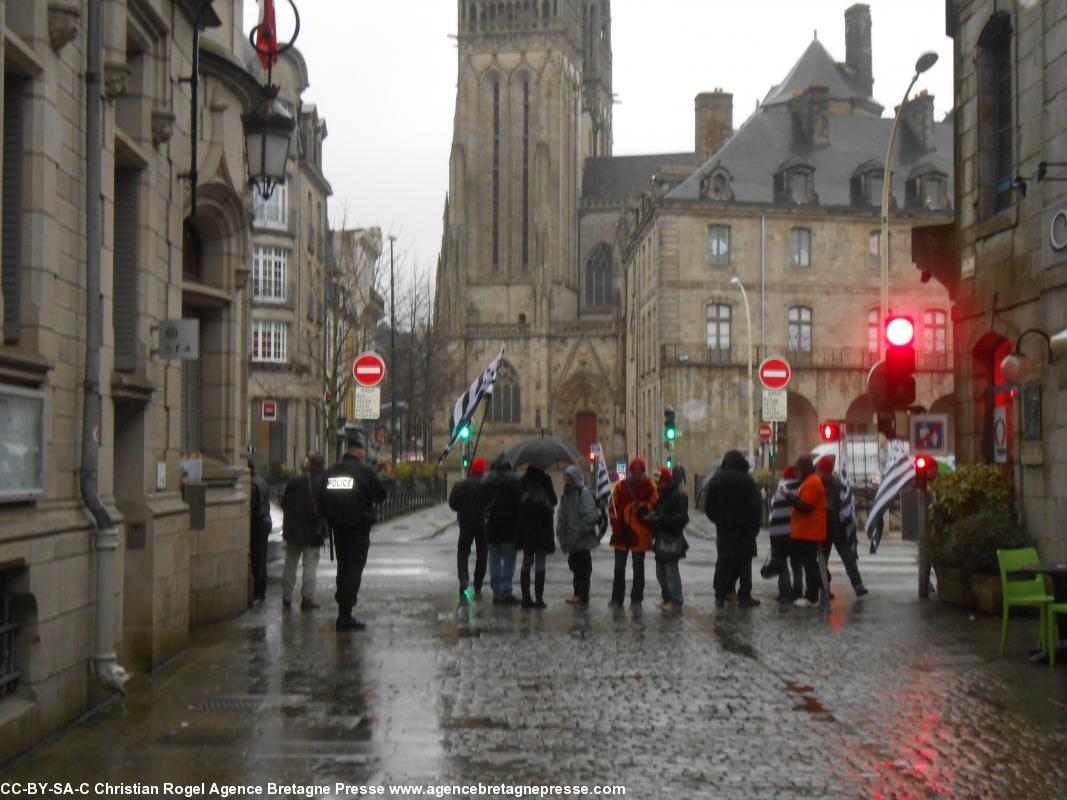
671,433
465,432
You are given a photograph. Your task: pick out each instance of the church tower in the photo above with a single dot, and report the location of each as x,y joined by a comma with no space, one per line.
533,101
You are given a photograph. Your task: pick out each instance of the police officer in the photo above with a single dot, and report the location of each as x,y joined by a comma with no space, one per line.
350,491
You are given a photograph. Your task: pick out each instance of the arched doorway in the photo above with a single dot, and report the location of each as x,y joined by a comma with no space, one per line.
860,419
582,412
993,412
799,435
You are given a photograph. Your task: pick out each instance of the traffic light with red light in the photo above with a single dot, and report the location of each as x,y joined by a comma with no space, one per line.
900,361
925,472
830,432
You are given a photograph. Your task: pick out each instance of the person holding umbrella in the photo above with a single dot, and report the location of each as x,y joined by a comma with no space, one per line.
537,499
632,501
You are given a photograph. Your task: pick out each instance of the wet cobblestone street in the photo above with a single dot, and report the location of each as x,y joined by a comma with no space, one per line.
881,697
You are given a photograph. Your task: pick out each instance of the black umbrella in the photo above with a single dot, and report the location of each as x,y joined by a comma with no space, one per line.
544,452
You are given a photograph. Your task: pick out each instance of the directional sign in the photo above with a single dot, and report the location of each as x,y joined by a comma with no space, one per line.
774,372
765,432
775,405
368,369
368,402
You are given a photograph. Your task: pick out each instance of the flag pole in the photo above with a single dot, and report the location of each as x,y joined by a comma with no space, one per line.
488,401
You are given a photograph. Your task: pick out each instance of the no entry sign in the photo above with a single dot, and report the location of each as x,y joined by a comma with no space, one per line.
765,432
368,369
774,372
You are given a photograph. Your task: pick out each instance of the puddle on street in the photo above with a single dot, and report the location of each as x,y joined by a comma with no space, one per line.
808,702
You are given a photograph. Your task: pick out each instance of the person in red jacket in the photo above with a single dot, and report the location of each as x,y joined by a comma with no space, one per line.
631,502
808,527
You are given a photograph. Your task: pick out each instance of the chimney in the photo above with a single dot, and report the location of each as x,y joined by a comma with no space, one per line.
810,110
858,48
714,122
918,120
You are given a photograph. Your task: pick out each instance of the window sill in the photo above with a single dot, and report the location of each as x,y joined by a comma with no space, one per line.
1003,220
22,368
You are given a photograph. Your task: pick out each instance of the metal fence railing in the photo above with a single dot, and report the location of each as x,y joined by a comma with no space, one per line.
403,497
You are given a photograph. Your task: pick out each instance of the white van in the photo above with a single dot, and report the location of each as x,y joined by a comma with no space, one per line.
861,456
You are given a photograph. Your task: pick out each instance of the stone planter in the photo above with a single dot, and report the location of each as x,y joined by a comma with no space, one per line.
970,590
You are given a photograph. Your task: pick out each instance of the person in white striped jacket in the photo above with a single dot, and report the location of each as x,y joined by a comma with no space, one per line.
782,558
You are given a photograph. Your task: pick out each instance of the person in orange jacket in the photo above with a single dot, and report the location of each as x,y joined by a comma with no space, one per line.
808,527
631,501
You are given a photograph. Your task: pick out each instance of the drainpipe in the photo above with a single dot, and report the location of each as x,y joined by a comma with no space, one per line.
106,536
763,282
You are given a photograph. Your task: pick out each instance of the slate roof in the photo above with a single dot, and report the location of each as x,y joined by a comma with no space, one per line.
818,66
619,177
768,138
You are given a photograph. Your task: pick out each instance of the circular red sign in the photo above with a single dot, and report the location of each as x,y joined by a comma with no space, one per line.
368,369
774,372
765,432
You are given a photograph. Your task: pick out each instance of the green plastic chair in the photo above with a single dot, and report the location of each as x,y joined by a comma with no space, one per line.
1027,592
1050,635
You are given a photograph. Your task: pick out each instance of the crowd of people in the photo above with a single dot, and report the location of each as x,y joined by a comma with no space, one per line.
503,513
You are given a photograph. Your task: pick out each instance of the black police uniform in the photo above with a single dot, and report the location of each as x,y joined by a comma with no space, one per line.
349,491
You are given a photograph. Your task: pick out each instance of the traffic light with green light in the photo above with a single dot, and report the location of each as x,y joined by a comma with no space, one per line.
465,432
670,428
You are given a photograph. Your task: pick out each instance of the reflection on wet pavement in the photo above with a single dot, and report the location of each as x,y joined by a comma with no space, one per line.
885,696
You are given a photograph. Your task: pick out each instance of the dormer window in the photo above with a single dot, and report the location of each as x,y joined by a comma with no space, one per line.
794,184
927,188
867,183
716,185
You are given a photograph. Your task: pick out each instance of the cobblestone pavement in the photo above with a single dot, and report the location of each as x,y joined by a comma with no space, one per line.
885,696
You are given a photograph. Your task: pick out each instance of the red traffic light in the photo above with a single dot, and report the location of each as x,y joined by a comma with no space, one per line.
830,431
920,462
925,471
900,331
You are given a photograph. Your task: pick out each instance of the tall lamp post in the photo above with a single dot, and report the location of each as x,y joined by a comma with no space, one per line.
926,60
392,357
751,389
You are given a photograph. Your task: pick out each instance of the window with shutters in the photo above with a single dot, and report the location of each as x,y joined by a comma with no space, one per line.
11,263
800,329
506,405
268,340
273,212
124,308
270,273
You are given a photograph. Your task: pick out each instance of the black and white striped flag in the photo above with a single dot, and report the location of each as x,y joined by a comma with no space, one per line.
603,489
468,402
899,472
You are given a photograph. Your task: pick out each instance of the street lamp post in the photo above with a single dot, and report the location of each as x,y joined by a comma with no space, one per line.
925,61
751,388
392,356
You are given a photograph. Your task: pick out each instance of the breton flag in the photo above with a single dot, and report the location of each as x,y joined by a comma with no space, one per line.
469,400
899,472
603,490
848,515
267,34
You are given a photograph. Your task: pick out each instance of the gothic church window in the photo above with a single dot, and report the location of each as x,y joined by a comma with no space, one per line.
599,277
506,405
526,174
496,173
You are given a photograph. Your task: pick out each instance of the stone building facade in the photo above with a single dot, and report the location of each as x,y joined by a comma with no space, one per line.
289,297
172,433
598,272
1006,259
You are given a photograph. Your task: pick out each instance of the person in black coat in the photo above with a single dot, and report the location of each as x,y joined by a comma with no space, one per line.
537,503
500,512
668,520
303,532
468,501
259,530
734,504
350,493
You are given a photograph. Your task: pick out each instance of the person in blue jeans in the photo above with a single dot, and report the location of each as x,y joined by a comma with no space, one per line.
669,519
501,513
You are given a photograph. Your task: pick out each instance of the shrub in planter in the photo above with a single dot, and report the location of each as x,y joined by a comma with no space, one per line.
973,489
975,539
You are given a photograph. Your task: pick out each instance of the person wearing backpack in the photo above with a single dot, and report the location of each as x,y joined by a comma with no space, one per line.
576,523
466,499
500,503
303,531
632,501
537,499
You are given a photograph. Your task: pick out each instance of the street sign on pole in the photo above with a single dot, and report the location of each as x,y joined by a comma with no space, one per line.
775,404
368,369
929,434
368,402
774,372
765,432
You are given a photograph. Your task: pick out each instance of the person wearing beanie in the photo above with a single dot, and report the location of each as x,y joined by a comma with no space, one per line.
808,529
790,586
576,524
839,512
500,503
734,503
632,501
351,490
304,532
466,499
669,519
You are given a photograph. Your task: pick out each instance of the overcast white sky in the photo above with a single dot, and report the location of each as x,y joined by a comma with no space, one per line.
383,74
